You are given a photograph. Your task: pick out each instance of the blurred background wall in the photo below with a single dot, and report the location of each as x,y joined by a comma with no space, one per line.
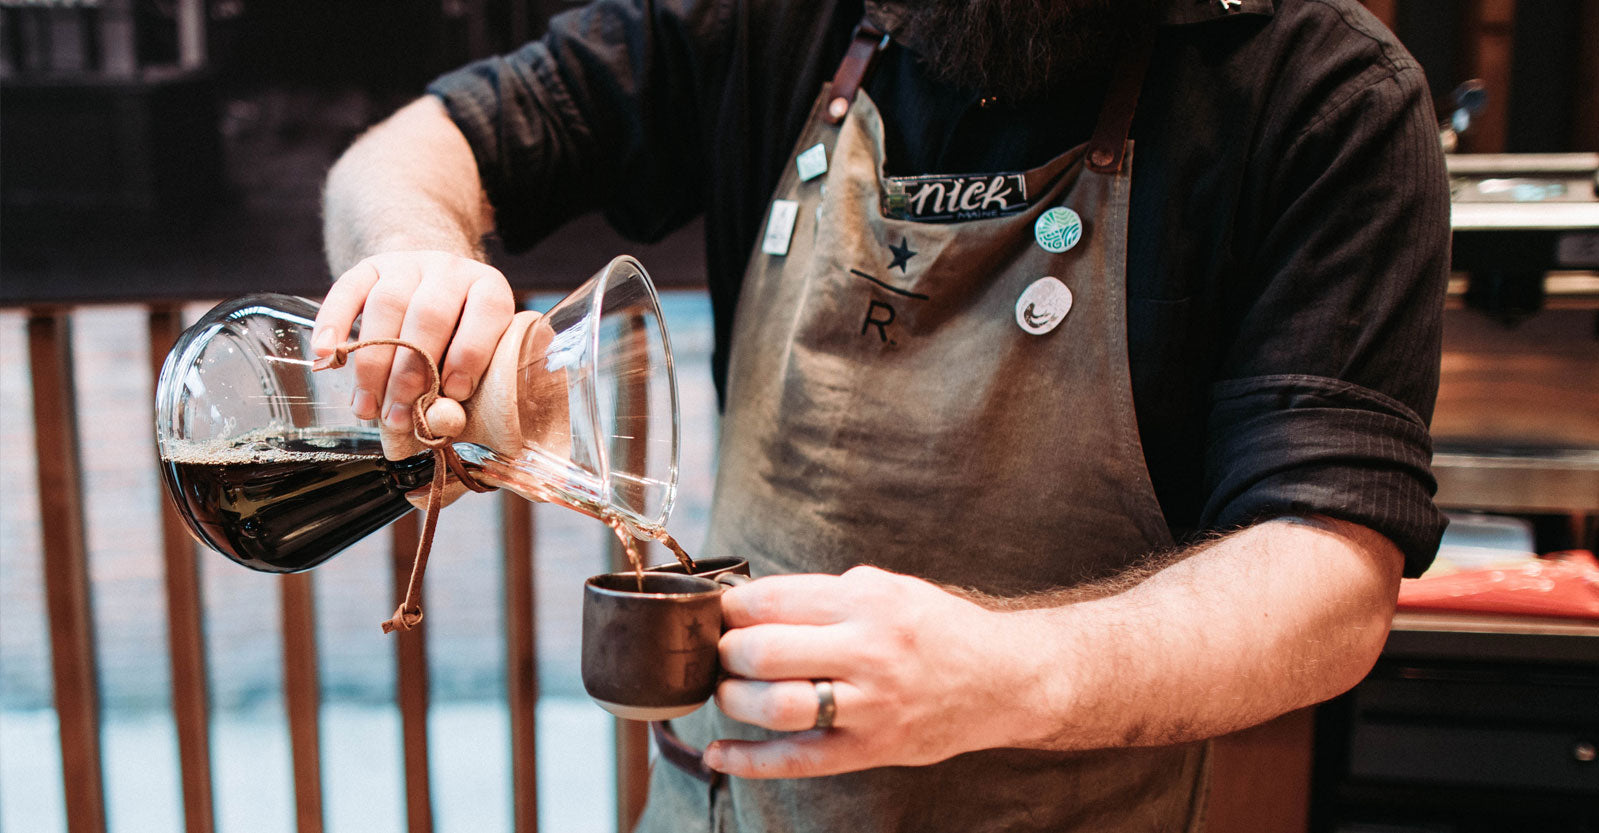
173,150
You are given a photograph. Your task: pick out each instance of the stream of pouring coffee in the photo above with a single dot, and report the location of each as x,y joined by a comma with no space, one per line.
518,481
630,358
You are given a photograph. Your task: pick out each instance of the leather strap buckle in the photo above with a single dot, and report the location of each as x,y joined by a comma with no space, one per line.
1109,144
865,43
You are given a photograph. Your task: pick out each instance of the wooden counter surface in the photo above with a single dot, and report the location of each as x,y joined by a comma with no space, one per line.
1493,638
1260,777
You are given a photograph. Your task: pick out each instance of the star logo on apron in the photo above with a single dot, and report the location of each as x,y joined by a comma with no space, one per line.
902,255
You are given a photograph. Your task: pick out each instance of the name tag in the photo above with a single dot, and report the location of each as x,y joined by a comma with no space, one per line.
946,199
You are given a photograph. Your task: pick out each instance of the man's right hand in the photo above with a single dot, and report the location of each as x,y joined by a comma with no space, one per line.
454,307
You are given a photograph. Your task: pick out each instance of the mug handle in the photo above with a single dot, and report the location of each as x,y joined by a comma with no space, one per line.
731,580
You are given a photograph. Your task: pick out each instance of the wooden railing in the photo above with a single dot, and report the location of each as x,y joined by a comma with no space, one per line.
1260,778
73,652
66,567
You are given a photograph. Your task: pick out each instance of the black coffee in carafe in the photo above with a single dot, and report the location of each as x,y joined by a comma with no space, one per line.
287,502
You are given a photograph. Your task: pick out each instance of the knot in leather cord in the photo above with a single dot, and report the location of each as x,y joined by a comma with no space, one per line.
409,614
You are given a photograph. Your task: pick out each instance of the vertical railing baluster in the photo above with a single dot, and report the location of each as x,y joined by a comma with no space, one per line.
185,622
119,55
632,446
1490,39
302,685
191,20
632,763
66,573
521,659
302,696
411,682
1585,119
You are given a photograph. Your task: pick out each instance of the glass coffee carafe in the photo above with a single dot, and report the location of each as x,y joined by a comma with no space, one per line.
268,465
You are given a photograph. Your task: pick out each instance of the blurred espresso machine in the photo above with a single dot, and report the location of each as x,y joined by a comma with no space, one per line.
1477,723
1517,423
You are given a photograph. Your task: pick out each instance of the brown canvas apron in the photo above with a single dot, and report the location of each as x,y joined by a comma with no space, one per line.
886,407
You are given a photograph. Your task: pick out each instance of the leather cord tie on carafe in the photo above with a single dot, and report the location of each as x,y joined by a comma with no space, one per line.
445,460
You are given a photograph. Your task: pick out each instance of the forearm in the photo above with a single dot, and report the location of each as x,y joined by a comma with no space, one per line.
410,183
1281,615
1273,618
404,215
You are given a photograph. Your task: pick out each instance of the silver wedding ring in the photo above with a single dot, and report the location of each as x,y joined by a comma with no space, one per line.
826,709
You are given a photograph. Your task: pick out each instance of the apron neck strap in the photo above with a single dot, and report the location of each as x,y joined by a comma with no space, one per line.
1109,144
866,42
1107,148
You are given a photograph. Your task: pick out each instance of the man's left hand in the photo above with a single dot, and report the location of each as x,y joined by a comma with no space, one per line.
918,674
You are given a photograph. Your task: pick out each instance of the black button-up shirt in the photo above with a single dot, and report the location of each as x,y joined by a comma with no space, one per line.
1289,221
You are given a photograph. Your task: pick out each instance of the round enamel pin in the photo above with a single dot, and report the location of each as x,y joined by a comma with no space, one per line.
1058,229
1043,306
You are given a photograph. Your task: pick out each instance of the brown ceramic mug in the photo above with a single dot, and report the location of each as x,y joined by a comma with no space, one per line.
651,654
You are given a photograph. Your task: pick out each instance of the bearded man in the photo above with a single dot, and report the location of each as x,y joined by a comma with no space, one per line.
1076,361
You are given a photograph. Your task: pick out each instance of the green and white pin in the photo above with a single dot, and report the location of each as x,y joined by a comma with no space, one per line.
1058,229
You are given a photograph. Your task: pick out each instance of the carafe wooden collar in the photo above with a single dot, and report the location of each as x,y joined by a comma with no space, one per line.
493,417
488,417
436,420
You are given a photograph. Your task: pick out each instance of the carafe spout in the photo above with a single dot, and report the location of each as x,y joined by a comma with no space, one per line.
534,475
489,467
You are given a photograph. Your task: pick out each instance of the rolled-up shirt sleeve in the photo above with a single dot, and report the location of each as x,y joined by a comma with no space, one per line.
599,113
1306,445
1328,383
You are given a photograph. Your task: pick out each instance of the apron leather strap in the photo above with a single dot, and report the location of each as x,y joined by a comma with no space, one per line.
864,44
1105,150
680,754
1109,144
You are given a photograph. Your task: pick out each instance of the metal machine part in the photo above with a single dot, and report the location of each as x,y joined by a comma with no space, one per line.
1516,427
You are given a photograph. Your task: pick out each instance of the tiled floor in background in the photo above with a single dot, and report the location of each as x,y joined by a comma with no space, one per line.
360,770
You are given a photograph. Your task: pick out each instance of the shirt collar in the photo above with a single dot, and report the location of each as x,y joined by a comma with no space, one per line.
887,13
1184,12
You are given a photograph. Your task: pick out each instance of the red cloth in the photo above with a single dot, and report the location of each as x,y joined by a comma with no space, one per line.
1558,584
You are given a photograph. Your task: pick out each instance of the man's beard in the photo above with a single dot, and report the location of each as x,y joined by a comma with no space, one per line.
1019,49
